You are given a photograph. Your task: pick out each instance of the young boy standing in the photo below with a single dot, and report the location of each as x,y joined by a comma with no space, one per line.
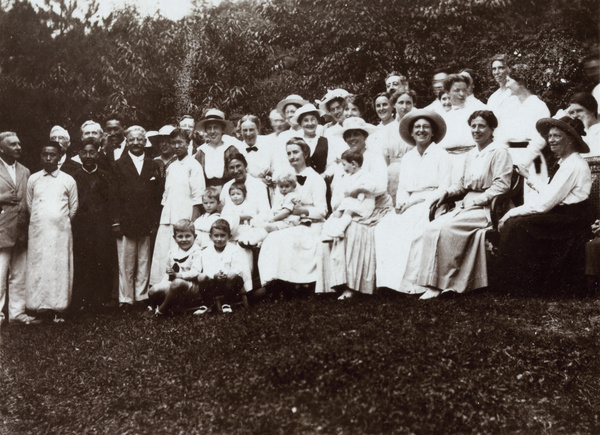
52,202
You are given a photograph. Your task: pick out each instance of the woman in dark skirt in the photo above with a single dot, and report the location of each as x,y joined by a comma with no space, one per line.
542,241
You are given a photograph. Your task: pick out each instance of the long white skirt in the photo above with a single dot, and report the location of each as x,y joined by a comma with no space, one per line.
291,254
394,237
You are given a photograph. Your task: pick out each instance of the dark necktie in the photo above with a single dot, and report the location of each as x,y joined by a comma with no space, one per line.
301,179
251,148
553,172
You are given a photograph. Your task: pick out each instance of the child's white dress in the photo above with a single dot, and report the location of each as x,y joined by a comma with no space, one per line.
287,202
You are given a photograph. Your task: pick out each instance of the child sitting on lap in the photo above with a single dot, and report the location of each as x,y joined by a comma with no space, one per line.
281,217
180,289
211,202
358,201
284,201
225,271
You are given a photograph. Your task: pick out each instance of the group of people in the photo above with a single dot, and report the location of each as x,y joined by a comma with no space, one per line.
196,215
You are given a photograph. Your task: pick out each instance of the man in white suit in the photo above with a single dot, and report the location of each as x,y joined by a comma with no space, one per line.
13,230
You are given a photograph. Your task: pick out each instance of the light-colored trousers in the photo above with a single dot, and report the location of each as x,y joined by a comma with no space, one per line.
13,264
134,268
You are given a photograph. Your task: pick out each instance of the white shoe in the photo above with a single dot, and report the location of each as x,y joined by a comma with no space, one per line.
227,309
200,311
348,294
430,294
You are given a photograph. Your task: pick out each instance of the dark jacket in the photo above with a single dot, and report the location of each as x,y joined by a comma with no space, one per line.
137,196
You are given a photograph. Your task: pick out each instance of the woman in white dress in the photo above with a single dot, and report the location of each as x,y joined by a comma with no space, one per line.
499,69
452,247
516,124
257,149
291,254
333,104
425,171
584,107
387,136
458,140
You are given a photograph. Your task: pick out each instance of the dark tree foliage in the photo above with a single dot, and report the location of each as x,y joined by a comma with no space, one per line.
62,67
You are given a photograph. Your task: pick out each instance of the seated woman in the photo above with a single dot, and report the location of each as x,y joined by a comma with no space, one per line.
452,247
349,263
424,172
238,209
542,240
290,254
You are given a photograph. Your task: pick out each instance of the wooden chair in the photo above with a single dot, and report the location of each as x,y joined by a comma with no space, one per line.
499,205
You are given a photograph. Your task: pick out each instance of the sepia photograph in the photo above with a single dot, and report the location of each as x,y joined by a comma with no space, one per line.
299,217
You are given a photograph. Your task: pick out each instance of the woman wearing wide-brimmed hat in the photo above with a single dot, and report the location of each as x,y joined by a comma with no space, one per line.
163,149
349,263
542,240
424,171
452,247
219,146
333,104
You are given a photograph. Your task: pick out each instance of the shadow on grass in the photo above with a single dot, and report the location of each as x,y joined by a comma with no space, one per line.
481,363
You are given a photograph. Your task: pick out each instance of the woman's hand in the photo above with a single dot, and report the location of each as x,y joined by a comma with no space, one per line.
522,170
502,221
409,204
438,199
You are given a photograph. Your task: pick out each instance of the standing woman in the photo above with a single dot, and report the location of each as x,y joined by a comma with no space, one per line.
452,247
354,106
458,140
257,149
425,171
218,148
499,68
387,138
584,107
517,120
543,240
323,152
349,263
291,254
333,103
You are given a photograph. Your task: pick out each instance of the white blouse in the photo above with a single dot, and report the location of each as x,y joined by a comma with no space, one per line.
571,184
418,173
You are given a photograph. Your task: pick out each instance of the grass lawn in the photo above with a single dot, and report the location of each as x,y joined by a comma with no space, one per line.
482,363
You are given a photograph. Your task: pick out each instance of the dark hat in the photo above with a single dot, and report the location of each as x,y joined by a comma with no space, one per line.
585,100
573,127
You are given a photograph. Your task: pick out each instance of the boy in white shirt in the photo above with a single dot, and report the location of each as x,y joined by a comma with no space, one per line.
225,270
179,289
